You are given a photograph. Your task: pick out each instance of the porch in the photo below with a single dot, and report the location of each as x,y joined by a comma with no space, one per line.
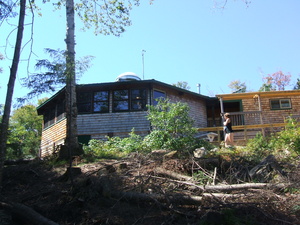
245,125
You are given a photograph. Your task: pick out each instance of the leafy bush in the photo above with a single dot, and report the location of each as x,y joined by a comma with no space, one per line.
172,127
257,148
114,147
284,144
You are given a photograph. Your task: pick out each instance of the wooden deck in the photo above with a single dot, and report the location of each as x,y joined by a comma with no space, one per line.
244,132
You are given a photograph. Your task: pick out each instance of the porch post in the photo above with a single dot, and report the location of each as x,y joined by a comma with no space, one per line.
261,118
222,113
221,105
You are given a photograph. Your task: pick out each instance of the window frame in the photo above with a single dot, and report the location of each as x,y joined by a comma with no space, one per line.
154,102
131,100
100,101
81,104
280,104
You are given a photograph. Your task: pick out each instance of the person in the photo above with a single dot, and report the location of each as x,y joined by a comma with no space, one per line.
228,130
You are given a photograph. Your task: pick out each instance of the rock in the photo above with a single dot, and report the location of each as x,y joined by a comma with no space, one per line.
200,152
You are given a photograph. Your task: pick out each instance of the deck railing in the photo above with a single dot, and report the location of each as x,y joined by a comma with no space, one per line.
247,123
246,118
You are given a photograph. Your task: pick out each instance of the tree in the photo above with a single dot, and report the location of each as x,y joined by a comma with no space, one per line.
183,85
52,74
266,87
172,126
277,81
24,133
10,88
107,18
297,85
237,86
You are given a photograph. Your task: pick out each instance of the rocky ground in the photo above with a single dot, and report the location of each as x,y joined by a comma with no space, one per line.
152,189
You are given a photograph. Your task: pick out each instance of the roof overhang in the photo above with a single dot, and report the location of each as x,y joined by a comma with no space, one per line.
264,94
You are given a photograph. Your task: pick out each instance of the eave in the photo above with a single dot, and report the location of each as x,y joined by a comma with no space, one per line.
265,94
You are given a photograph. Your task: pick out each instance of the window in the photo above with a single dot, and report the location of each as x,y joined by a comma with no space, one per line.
101,101
49,117
280,103
134,100
138,99
84,102
60,111
158,95
121,100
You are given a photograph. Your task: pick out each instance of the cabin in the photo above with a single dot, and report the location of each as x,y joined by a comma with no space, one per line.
113,109
254,112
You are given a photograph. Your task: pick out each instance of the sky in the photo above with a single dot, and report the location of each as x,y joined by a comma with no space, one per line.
191,41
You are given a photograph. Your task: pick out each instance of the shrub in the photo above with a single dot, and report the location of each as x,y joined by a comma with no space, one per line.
114,147
172,127
284,144
287,142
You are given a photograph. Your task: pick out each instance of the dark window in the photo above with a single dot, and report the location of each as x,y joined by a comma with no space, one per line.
138,99
158,95
281,103
60,111
84,102
101,101
84,139
120,100
134,100
49,118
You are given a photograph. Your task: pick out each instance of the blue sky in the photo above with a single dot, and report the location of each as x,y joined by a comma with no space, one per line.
184,41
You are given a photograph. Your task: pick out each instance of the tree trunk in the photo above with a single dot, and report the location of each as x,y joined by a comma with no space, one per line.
10,88
71,107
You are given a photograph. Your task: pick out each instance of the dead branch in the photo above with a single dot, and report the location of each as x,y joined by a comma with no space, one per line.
224,196
143,197
171,174
243,186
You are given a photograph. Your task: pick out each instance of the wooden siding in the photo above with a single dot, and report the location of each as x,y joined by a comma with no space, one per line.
53,136
118,124
270,116
197,105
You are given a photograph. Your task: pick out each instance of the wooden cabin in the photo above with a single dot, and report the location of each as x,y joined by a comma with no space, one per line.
113,109
253,112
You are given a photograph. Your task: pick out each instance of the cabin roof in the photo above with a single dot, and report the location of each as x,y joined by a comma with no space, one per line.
266,94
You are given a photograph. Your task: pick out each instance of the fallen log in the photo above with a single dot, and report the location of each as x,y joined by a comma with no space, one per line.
26,214
243,186
172,174
224,196
144,197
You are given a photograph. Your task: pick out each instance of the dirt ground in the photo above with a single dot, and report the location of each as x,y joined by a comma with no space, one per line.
149,190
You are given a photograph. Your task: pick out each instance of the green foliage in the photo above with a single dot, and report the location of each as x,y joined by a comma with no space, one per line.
202,178
105,17
114,147
172,127
287,142
237,86
284,144
24,133
182,84
257,148
52,73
